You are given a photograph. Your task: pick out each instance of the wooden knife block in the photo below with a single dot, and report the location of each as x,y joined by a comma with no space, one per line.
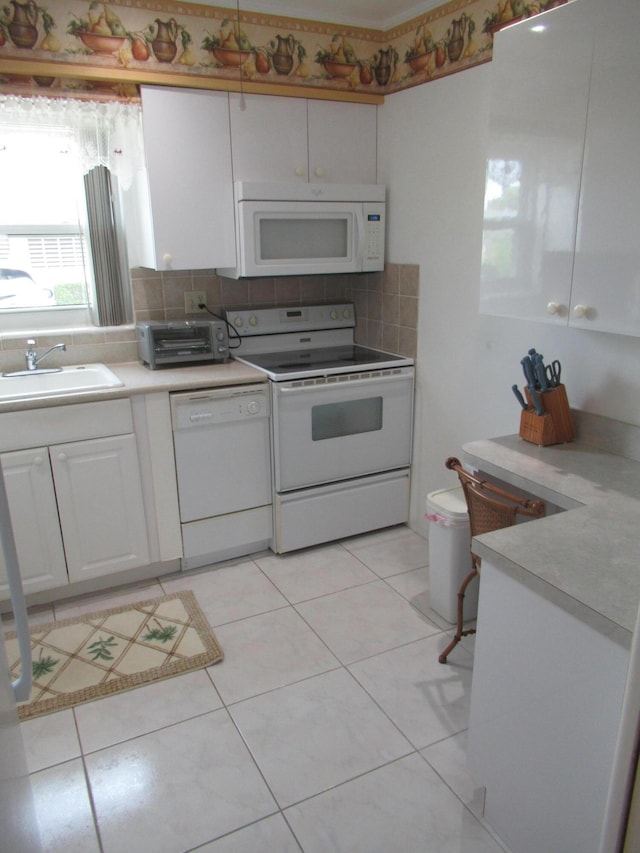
555,425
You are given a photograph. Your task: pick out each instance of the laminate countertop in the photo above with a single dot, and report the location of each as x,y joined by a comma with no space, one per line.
585,558
138,379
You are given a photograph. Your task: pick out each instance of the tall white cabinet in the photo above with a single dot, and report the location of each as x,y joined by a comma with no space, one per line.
188,154
562,200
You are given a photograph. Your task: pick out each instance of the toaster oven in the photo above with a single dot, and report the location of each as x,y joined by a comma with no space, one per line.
181,342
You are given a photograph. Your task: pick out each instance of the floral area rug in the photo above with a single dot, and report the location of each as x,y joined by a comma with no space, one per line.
98,654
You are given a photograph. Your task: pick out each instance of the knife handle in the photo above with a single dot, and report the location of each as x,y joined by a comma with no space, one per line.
541,375
535,399
519,397
527,368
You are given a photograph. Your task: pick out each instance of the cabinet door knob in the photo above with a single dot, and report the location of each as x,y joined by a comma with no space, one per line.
552,307
580,311
167,259
319,172
62,457
299,170
38,460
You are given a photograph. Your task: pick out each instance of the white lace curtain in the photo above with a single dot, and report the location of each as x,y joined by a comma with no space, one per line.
101,133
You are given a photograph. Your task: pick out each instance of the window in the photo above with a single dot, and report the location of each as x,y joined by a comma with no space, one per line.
44,258
52,205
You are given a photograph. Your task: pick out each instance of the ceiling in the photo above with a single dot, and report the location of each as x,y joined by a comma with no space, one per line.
373,14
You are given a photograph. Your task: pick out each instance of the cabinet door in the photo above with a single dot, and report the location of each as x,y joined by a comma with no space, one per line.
292,139
540,87
342,142
269,138
606,276
188,152
101,506
34,518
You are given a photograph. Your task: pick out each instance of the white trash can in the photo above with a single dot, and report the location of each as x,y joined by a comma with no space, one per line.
449,554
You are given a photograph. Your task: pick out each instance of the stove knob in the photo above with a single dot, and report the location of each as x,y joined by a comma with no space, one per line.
333,314
238,322
346,313
220,336
253,321
254,407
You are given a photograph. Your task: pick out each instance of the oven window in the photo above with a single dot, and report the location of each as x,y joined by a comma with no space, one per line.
333,420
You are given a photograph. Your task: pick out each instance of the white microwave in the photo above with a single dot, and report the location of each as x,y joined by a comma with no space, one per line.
307,229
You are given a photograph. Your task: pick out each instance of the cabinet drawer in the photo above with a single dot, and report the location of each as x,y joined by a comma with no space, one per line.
21,430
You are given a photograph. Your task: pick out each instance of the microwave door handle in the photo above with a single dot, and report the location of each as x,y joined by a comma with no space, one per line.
358,224
22,685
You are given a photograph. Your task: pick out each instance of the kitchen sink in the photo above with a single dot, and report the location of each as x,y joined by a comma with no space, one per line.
69,380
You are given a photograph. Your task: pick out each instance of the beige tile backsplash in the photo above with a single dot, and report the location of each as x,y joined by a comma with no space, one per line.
386,310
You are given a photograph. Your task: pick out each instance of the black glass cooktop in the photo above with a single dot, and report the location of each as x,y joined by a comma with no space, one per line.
323,358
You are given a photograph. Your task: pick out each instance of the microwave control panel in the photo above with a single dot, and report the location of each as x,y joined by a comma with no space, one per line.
373,236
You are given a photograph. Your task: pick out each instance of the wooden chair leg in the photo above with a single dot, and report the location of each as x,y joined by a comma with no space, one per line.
459,632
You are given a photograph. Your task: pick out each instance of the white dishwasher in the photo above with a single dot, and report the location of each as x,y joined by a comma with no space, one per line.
223,464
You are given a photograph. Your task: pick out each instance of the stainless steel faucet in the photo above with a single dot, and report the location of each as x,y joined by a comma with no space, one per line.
33,360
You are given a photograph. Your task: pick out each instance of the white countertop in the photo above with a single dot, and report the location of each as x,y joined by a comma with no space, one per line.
138,379
585,559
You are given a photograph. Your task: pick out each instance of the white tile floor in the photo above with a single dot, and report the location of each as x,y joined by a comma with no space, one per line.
329,726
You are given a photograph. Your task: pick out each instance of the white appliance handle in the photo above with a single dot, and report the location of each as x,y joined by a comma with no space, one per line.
358,224
22,685
332,386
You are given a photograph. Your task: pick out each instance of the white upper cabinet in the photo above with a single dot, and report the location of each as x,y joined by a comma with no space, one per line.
562,199
342,142
606,275
269,138
188,152
292,139
540,91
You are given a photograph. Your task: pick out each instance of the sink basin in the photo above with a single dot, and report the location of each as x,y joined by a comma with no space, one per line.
69,380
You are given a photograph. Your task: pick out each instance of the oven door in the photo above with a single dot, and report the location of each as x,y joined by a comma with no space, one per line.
340,427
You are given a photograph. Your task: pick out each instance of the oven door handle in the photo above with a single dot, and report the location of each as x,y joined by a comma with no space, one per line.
353,383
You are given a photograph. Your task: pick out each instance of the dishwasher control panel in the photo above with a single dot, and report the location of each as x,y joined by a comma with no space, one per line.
219,405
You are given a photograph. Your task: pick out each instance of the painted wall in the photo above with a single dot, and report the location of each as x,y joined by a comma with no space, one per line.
467,363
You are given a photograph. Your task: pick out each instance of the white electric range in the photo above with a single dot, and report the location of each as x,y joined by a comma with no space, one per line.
342,417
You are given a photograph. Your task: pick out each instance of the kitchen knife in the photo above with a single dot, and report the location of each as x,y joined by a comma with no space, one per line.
529,374
535,399
519,397
541,372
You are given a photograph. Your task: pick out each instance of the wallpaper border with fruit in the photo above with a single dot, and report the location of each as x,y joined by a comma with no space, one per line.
95,49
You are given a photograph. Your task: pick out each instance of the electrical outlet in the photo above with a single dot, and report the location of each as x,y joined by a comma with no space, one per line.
192,299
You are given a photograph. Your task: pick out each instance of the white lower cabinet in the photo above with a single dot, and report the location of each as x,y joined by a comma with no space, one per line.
545,709
77,508
100,506
34,517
